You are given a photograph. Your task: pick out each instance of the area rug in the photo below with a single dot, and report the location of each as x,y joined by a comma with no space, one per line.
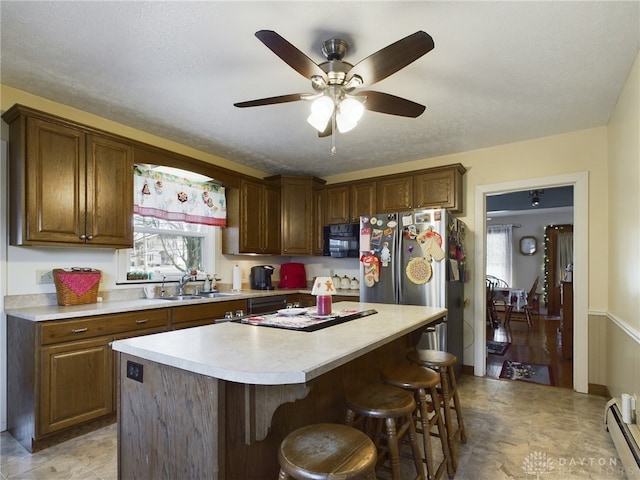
497,348
527,372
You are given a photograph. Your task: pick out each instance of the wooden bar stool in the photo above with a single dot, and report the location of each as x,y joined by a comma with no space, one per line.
423,381
443,363
386,415
327,451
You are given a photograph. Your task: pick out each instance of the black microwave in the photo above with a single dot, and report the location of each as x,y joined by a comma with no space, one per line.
341,241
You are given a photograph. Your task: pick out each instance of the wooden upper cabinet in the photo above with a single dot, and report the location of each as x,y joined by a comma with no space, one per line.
68,186
362,196
337,204
253,220
395,194
439,187
272,219
109,202
298,223
318,218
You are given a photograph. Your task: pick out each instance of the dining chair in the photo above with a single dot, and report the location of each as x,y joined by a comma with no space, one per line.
527,308
492,314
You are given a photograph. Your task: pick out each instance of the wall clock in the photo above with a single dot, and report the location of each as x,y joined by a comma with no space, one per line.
528,245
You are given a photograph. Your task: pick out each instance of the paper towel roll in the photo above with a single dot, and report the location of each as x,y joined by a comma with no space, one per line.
626,408
237,278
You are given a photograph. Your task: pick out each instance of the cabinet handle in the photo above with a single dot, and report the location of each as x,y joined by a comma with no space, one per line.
79,330
140,322
83,237
90,237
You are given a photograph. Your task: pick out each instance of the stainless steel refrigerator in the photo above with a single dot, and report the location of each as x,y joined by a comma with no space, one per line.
417,258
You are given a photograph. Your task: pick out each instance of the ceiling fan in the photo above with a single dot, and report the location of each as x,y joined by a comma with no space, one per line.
339,101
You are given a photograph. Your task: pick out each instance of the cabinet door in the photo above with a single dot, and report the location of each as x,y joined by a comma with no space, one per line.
251,217
441,188
76,381
363,200
337,204
109,177
318,217
272,218
55,189
297,220
395,194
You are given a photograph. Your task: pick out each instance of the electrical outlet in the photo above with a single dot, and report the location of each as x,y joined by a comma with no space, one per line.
135,371
44,277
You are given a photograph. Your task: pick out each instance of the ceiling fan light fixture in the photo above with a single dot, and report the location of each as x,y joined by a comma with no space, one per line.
349,113
321,111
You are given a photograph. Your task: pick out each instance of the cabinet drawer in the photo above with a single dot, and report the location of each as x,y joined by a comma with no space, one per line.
66,330
207,311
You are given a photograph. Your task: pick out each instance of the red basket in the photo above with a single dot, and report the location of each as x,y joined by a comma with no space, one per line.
76,286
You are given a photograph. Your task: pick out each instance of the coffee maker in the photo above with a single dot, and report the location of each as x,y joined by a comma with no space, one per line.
260,277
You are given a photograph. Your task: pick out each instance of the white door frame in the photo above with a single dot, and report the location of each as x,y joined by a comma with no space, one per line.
580,183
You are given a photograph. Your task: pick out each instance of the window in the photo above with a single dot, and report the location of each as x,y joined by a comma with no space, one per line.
167,248
176,224
499,252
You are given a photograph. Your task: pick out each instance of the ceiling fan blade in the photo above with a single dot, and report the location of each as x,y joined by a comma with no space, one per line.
290,54
293,97
390,104
392,58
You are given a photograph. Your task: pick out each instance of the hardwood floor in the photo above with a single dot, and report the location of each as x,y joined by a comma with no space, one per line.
538,345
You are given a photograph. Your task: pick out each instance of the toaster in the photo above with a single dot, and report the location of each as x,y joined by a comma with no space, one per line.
292,275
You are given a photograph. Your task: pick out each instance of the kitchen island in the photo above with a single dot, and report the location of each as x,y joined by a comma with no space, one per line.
216,401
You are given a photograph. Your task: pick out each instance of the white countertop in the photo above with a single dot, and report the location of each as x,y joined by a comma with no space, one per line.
58,312
271,356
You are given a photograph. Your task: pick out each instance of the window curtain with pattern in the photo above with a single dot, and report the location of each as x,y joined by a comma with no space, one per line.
166,196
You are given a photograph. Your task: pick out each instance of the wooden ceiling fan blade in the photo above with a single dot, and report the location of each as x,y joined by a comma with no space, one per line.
392,58
290,54
390,104
293,97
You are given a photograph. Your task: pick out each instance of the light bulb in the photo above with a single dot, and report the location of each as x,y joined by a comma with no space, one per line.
349,112
321,111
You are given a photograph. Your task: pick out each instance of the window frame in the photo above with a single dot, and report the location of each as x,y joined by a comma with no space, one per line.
210,236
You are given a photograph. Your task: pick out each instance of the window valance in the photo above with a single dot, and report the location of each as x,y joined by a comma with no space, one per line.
166,196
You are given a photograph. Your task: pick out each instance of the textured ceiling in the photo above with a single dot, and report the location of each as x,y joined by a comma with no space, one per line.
500,72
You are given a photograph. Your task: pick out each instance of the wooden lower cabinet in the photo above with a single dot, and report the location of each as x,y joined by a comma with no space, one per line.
205,314
61,376
76,383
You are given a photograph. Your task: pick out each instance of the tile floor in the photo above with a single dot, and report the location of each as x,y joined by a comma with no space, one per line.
514,429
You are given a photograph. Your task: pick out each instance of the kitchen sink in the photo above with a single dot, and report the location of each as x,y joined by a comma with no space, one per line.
199,296
181,297
216,294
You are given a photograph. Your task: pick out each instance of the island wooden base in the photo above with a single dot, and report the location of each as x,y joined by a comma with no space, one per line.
178,424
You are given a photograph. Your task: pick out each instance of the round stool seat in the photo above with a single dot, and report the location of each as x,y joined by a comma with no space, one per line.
326,450
410,376
432,357
386,415
381,401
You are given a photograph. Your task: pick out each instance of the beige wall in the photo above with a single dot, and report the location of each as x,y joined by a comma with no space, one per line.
622,322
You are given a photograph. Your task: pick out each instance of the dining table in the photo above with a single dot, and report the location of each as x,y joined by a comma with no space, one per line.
515,297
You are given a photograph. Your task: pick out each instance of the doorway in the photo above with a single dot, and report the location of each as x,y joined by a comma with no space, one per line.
519,253
580,270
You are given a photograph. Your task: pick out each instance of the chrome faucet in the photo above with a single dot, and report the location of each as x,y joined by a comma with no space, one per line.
186,278
162,291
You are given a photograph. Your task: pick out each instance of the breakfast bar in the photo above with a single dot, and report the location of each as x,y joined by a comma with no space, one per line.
216,401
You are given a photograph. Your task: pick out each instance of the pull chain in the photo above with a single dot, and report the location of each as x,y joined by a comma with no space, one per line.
333,134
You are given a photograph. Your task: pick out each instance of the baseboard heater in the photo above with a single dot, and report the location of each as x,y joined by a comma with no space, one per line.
623,439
